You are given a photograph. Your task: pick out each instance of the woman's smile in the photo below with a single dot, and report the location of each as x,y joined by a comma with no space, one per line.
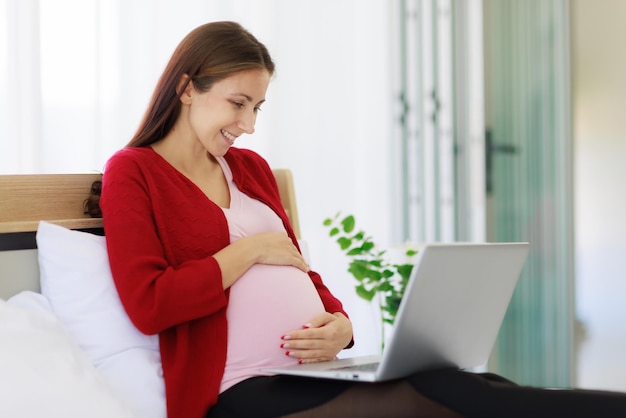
230,138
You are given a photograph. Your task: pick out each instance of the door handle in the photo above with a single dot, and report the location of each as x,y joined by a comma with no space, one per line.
492,148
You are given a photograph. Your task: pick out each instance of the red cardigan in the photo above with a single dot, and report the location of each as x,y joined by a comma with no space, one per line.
161,234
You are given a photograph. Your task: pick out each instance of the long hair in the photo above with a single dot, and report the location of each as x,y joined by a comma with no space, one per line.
208,54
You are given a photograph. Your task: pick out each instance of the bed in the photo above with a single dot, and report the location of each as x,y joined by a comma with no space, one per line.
67,348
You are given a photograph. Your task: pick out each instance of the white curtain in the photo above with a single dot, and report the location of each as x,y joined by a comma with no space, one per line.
76,75
20,93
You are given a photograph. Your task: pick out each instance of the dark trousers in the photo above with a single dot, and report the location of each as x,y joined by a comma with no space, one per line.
442,393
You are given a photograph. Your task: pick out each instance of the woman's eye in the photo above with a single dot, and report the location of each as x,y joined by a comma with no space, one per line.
257,109
239,105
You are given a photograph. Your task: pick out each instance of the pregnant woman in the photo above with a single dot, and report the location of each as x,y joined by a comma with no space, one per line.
203,254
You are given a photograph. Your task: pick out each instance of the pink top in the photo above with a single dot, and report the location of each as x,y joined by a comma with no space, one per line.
267,301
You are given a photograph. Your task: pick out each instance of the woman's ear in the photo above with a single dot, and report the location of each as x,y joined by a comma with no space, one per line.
184,89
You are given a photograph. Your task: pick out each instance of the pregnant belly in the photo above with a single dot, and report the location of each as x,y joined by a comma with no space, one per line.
264,304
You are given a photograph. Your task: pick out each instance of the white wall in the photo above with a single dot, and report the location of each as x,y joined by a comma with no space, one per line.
599,105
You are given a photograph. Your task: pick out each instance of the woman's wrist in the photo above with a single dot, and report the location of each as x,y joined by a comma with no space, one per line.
347,341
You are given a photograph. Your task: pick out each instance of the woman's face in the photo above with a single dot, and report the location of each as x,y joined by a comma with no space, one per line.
219,116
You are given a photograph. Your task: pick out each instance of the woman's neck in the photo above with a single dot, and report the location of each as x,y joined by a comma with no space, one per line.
190,158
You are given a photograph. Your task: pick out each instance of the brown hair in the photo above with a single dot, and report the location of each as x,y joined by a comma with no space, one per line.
91,205
208,54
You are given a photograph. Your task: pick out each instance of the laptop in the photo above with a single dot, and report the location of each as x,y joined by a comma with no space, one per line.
449,317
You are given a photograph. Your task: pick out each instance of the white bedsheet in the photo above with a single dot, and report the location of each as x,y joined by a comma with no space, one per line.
43,373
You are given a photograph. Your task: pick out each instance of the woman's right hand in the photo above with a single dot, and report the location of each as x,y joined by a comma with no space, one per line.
275,248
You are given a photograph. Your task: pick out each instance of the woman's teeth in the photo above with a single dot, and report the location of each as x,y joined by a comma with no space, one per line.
228,135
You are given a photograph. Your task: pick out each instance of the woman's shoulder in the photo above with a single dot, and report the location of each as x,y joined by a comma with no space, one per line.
131,158
242,157
235,153
133,154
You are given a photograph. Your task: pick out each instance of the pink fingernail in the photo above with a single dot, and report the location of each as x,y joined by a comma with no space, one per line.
284,345
308,325
285,337
287,353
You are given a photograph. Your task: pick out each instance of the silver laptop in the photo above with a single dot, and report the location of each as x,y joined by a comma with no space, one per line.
450,315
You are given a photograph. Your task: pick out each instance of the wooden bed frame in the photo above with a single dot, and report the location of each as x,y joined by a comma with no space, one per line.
59,199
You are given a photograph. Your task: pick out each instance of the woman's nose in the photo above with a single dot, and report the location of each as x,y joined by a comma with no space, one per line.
247,121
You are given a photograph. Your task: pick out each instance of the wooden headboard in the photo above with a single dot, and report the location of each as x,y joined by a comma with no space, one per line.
59,198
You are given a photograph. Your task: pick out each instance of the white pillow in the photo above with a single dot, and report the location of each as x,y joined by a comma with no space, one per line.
43,373
76,278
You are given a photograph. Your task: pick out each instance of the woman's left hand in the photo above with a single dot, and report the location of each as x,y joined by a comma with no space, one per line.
320,339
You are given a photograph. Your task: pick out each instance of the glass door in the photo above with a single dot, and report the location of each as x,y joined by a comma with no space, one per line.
503,65
528,160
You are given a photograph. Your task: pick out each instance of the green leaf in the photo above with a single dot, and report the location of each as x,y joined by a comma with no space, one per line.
410,253
344,243
334,231
388,273
348,224
368,295
385,287
358,270
355,251
374,275
405,270
392,303
328,222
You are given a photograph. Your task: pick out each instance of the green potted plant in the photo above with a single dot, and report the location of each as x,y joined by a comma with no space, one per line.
377,277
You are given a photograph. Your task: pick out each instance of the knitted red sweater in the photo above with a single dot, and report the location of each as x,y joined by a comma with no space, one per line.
161,234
